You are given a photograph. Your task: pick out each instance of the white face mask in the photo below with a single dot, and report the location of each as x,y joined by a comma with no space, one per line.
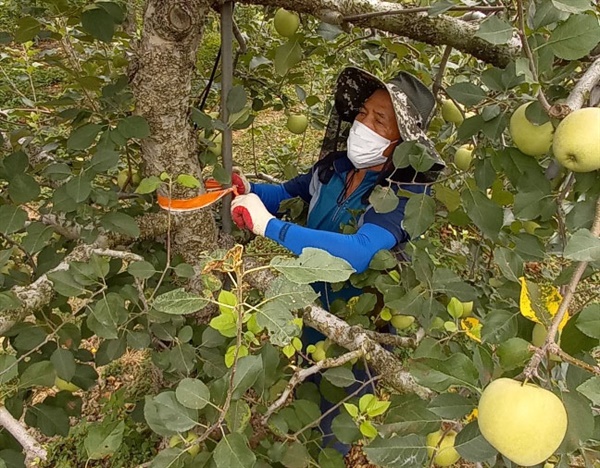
366,147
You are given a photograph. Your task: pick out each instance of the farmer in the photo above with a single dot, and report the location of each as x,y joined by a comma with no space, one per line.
369,120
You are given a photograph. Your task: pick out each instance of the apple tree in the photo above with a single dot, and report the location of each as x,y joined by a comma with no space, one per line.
500,281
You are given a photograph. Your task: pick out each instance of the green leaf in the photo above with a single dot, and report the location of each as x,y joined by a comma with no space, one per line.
313,265
185,270
192,393
104,439
142,269
574,38
12,219
451,406
82,137
110,311
172,457
8,368
79,188
296,456
236,99
439,375
232,452
344,428
495,30
419,214
179,302
287,55
449,197
583,246
38,237
472,446
513,353
247,371
572,6
466,93
23,188
383,199
447,282
103,160
38,374
591,390
27,28
238,416
580,425
352,409
367,429
340,376
51,420
148,185
397,451
227,302
499,326
64,363
546,14
509,262
588,320
98,23
65,284
121,223
188,181
134,126
169,413
331,458
486,214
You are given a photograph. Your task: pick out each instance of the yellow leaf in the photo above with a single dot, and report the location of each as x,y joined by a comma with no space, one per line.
472,327
472,416
543,308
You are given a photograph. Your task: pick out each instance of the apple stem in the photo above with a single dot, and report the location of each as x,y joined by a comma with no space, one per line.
534,362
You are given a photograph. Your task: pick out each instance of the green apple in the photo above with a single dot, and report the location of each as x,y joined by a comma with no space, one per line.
577,140
446,454
524,422
64,385
286,22
451,112
297,123
463,157
538,338
531,139
401,322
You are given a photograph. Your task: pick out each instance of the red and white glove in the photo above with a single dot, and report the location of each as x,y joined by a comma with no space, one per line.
239,181
249,212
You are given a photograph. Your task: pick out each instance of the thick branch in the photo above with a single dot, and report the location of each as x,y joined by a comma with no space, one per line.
353,338
30,445
584,86
439,30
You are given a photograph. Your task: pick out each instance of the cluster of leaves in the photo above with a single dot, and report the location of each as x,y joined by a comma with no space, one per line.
220,378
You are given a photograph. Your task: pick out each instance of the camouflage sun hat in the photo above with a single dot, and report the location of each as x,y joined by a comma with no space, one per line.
413,103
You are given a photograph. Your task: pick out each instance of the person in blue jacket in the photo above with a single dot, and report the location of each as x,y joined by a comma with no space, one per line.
369,120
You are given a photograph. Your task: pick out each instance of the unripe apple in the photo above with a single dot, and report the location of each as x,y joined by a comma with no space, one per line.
401,322
463,157
524,422
297,123
538,338
577,140
533,140
64,385
446,454
286,22
451,112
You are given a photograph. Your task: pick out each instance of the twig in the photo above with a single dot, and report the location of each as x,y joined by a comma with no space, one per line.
541,96
28,256
555,349
376,14
531,368
585,84
395,340
437,85
265,177
302,374
30,445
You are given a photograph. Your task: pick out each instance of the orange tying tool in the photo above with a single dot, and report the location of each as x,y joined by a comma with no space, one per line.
215,192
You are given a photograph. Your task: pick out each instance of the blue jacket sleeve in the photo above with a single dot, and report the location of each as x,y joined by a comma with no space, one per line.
271,195
357,249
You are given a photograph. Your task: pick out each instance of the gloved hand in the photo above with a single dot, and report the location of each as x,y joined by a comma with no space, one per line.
248,211
239,181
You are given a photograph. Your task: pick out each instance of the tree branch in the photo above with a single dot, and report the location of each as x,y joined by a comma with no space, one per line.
302,374
30,445
439,30
586,83
531,368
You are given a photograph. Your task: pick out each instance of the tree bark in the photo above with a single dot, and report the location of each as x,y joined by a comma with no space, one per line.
162,84
439,30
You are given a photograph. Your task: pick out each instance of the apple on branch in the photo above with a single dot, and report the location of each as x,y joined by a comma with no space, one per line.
577,140
286,22
531,139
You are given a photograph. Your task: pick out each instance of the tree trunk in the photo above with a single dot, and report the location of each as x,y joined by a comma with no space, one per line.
162,84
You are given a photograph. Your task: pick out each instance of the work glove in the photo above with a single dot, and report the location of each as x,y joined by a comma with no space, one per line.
249,212
239,181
